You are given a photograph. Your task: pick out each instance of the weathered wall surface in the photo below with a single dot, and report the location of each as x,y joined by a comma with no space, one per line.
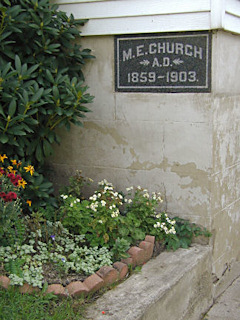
225,191
185,145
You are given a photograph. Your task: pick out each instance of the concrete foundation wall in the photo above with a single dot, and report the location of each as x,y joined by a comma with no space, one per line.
225,181
175,285
185,145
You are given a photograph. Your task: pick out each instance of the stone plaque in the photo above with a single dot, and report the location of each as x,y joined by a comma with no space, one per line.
179,62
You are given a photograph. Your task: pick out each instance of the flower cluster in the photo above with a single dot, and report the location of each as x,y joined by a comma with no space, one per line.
11,180
165,224
106,198
8,197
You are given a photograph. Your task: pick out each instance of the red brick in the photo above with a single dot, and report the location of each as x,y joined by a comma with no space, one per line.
148,249
122,269
26,288
77,288
108,274
138,256
57,289
128,261
4,282
150,239
94,282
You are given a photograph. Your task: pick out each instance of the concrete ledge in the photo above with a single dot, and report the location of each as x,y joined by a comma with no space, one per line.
174,285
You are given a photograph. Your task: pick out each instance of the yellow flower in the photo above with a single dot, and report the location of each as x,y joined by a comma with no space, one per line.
29,202
30,169
22,183
3,157
10,168
14,162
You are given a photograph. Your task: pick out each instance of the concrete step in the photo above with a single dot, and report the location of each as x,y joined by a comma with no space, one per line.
173,286
227,306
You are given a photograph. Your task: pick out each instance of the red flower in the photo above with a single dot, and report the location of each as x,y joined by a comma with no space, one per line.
14,179
11,196
3,195
8,197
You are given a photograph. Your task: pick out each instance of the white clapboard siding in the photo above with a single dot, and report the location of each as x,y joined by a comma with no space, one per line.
232,16
147,24
128,8
107,17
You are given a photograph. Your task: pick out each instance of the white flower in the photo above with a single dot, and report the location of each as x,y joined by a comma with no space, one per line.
130,201
103,203
146,195
139,188
71,204
115,214
64,196
93,197
172,230
100,221
157,225
93,206
129,189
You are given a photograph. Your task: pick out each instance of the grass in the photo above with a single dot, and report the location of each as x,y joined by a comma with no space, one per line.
39,306
17,306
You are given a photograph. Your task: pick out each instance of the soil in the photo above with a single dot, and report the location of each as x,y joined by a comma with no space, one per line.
52,275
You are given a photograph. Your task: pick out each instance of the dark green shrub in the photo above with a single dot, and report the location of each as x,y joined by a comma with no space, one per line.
41,80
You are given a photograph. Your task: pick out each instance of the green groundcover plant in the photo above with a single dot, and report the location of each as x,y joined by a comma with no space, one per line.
84,234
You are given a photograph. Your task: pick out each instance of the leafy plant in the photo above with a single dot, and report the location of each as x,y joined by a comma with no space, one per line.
97,217
34,191
64,251
11,185
75,215
141,210
185,231
76,184
120,249
41,82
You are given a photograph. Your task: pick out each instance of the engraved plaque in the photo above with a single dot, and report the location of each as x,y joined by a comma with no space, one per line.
179,62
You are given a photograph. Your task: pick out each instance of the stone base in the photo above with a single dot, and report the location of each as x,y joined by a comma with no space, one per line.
174,285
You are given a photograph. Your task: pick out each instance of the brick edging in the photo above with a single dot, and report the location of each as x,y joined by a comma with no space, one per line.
105,276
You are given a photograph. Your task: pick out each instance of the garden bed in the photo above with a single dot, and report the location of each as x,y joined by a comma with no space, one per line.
79,284
84,243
